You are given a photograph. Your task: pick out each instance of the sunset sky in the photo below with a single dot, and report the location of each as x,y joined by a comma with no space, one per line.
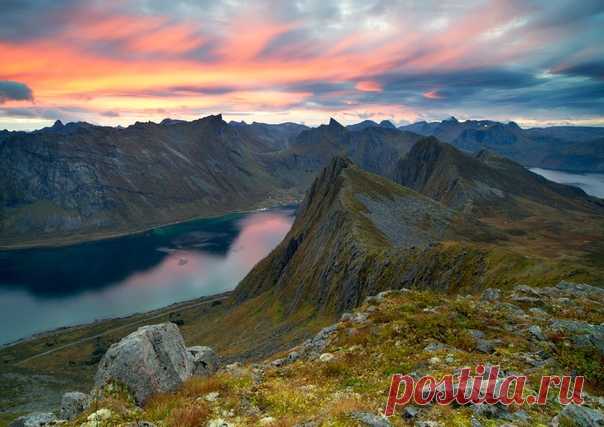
116,62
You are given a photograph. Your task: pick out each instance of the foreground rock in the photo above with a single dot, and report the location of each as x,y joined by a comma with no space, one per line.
35,420
151,360
73,404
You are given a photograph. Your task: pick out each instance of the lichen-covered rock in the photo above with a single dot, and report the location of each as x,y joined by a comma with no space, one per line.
370,420
204,359
73,404
316,345
579,416
491,294
38,419
151,360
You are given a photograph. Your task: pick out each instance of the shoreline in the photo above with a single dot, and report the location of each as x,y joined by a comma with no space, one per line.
177,306
57,242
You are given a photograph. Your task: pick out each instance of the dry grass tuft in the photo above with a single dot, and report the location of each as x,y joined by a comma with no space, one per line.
193,415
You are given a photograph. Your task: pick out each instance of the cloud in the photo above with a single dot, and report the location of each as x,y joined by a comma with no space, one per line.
113,61
14,91
594,69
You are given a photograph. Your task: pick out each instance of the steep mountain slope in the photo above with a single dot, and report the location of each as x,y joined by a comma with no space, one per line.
269,137
484,183
375,148
85,179
357,233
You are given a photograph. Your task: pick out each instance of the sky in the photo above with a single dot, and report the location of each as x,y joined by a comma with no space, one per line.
536,62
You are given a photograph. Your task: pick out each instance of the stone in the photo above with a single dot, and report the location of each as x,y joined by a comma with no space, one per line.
73,404
212,396
277,363
437,346
580,416
491,294
293,356
346,317
267,421
37,419
326,357
484,346
524,289
204,360
370,420
476,333
102,414
151,360
535,311
410,412
141,424
536,332
317,344
427,424
219,422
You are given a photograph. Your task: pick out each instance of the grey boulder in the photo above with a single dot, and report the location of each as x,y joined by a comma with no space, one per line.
73,404
204,360
151,360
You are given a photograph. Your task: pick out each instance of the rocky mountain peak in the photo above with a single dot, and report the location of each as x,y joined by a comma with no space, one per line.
387,124
58,124
333,123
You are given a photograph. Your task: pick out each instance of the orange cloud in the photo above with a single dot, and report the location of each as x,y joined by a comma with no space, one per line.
368,86
432,94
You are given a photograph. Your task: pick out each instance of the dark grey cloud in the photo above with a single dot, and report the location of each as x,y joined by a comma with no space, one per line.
592,69
473,79
14,91
30,19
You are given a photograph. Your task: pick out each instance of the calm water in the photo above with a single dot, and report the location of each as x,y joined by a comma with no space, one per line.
591,183
42,289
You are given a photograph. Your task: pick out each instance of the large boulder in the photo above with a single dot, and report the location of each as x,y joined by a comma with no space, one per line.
151,360
204,360
38,419
73,404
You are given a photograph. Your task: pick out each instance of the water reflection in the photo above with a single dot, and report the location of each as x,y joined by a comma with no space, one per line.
46,288
591,183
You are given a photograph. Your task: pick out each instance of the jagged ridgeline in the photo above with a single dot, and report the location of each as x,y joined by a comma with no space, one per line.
460,222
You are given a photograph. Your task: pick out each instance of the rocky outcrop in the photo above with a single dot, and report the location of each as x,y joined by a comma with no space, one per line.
151,360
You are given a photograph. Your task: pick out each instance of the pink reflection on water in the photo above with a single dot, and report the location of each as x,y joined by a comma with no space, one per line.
186,274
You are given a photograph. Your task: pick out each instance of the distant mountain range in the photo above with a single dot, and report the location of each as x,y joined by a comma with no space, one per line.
570,148
77,181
